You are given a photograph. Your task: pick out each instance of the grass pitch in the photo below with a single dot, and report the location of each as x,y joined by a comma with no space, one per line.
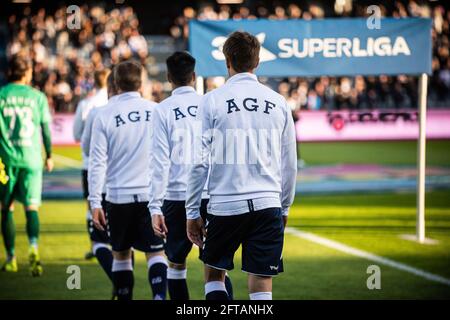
360,152
372,223
368,222
374,152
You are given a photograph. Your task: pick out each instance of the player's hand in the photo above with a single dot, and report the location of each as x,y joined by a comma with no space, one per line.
49,165
98,218
196,231
159,225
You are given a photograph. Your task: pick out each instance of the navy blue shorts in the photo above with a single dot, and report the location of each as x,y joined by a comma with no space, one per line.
94,234
178,244
130,226
84,183
261,234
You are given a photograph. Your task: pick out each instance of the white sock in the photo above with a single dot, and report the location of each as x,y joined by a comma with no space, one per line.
176,274
122,265
97,246
261,296
156,259
214,286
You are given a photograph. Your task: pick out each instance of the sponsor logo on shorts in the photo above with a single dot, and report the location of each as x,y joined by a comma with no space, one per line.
156,280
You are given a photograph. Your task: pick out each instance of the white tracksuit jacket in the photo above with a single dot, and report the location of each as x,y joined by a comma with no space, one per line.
100,98
120,151
174,126
248,131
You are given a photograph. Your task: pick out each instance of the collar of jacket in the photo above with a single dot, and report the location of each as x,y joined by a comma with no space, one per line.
128,95
183,90
243,76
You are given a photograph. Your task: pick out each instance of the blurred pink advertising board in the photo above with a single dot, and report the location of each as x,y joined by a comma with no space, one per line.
62,129
370,125
325,126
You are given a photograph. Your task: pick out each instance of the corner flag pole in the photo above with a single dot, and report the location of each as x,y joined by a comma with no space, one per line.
421,159
199,85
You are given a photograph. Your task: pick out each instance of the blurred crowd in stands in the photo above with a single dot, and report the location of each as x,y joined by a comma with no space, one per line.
64,58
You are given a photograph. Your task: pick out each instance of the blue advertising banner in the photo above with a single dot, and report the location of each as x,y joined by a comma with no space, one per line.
333,47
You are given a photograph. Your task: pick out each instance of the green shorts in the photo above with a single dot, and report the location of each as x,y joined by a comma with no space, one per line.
23,185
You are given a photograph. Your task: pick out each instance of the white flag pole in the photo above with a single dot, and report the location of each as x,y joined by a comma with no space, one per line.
421,159
199,85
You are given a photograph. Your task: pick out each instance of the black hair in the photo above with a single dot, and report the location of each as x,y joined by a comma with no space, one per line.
180,67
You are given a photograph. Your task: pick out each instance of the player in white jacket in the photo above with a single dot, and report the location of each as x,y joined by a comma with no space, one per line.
120,156
99,239
174,126
98,98
248,131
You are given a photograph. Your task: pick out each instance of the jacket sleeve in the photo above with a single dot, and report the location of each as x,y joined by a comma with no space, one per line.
97,163
159,161
87,132
45,126
288,163
78,122
198,170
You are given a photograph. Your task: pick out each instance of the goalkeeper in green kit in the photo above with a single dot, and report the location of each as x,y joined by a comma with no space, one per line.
24,118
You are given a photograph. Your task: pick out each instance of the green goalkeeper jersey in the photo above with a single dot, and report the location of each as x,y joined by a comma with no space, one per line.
23,111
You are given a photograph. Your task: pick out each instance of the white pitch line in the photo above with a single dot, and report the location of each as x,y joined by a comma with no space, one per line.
67,161
367,255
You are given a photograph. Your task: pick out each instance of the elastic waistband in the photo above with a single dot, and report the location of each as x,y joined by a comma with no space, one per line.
181,195
117,191
243,206
128,198
241,197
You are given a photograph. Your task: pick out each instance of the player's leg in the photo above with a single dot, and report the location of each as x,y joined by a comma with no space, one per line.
9,235
29,192
259,287
100,243
121,236
157,274
104,256
7,187
223,236
122,274
153,246
84,184
261,252
100,247
229,286
177,248
176,281
32,227
215,284
145,240
203,213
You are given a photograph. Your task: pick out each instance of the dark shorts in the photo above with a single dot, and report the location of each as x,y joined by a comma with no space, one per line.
261,234
178,245
84,183
130,226
94,234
